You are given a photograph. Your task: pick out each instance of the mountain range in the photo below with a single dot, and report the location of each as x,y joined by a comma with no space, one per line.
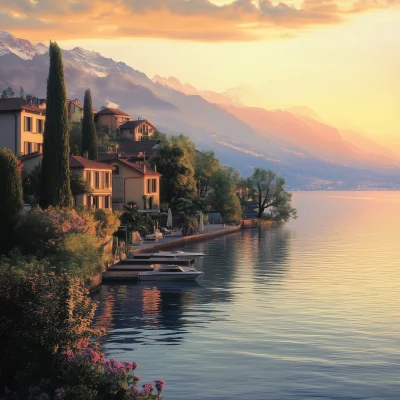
296,142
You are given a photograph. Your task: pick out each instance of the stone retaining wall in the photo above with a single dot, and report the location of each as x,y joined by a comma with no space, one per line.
188,239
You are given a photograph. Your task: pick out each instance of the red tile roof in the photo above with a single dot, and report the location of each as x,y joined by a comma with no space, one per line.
18,104
112,111
138,167
30,156
77,162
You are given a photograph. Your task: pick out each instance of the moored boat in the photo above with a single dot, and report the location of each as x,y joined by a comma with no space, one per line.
169,273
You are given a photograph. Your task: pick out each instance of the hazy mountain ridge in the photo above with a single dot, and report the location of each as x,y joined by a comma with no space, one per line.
276,142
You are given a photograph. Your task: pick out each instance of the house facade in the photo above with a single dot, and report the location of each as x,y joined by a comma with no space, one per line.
112,118
140,129
99,177
22,124
75,110
135,183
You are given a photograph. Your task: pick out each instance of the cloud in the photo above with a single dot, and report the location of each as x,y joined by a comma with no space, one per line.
200,20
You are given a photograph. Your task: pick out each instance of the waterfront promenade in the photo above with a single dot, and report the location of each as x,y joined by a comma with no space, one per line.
210,231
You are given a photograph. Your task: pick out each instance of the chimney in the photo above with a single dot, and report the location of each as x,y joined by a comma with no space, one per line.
144,168
155,168
29,100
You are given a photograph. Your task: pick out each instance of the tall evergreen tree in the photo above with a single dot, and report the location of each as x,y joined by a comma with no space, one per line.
10,197
89,138
55,185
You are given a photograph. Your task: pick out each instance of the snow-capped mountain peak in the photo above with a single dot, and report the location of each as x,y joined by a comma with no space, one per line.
20,47
42,48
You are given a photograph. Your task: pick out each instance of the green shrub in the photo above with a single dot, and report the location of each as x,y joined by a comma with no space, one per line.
107,222
79,255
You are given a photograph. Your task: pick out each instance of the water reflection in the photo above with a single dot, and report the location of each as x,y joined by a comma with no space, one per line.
306,311
164,313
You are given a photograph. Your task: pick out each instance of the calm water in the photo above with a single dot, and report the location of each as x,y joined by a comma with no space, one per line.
310,310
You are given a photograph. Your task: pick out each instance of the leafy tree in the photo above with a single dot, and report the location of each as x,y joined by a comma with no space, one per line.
8,93
55,185
206,165
245,191
174,159
270,195
10,197
79,185
223,198
89,138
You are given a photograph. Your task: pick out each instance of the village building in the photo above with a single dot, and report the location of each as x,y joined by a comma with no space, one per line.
136,130
97,174
22,124
111,118
135,184
75,110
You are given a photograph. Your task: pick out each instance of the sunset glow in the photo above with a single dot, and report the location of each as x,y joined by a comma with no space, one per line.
336,57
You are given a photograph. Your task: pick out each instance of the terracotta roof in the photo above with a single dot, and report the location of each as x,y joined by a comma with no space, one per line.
18,104
137,167
77,162
112,111
30,156
76,102
134,124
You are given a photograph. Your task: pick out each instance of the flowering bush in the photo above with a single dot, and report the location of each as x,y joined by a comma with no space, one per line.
104,378
37,229
47,349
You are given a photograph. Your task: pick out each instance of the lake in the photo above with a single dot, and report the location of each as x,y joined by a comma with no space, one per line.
308,310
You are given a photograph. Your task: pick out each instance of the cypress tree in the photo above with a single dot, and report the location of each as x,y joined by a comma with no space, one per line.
10,197
55,185
89,138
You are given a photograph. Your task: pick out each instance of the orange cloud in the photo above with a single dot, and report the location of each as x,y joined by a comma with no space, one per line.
199,20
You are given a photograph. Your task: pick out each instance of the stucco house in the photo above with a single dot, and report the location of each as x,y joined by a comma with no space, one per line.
112,118
75,110
98,175
137,130
22,124
135,183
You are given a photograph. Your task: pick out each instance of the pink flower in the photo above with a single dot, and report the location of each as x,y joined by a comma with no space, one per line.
59,394
147,389
92,356
159,385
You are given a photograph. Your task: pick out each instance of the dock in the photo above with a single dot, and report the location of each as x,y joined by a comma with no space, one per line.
111,276
187,262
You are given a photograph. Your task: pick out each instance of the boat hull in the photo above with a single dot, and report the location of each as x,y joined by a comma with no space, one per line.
184,276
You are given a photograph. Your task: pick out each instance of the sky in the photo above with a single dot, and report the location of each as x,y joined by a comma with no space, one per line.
339,57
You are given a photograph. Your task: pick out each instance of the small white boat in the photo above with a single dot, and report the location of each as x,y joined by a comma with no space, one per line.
170,273
178,253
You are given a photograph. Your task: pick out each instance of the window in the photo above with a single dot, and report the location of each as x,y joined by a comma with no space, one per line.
107,202
31,147
40,126
151,185
28,124
89,177
107,180
89,200
97,180
96,201
116,170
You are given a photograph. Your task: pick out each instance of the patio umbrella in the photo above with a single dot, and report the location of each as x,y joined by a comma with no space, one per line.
169,219
201,223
